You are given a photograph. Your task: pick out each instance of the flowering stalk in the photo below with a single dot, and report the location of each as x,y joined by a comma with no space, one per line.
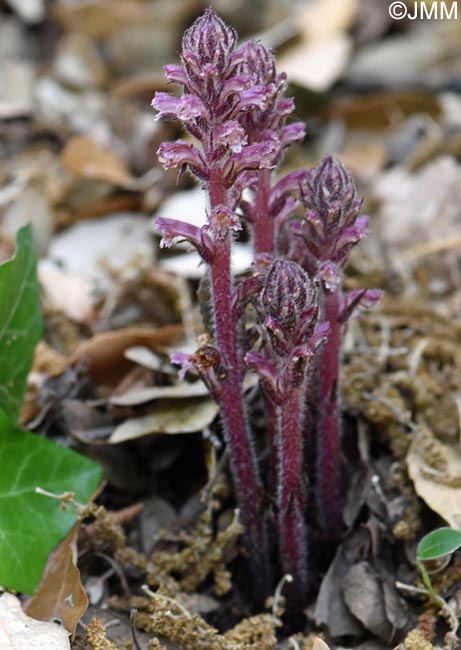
233,106
287,310
217,91
272,203
331,228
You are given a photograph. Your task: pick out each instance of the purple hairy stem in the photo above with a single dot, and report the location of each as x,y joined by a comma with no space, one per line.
217,92
331,228
263,224
230,399
287,310
328,484
292,497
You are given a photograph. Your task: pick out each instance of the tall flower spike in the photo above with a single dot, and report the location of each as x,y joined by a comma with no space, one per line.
287,310
217,92
260,124
331,228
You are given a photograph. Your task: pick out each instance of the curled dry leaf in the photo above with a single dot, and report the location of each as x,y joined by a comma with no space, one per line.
142,395
331,609
103,354
146,358
60,593
437,492
363,593
20,632
85,158
169,417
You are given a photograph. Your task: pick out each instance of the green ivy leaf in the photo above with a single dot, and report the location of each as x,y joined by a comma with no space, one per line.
438,543
31,525
20,322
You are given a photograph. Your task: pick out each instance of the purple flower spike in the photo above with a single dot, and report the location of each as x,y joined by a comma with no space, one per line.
217,92
287,309
262,123
233,108
331,228
331,222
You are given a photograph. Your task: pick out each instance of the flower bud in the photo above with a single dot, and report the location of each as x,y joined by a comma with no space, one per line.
331,218
287,301
210,41
259,62
333,189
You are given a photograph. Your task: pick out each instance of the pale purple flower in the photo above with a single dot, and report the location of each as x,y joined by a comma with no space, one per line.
180,153
221,221
232,136
173,230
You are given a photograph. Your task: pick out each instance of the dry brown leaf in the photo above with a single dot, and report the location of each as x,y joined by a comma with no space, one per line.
364,157
319,644
426,201
322,19
98,18
147,359
140,86
142,395
320,56
72,295
104,353
440,497
78,63
169,417
85,158
316,66
380,109
20,632
60,593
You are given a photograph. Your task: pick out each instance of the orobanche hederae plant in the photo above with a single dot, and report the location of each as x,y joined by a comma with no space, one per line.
233,107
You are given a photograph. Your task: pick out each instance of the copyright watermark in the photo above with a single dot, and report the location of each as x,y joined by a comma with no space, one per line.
422,11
